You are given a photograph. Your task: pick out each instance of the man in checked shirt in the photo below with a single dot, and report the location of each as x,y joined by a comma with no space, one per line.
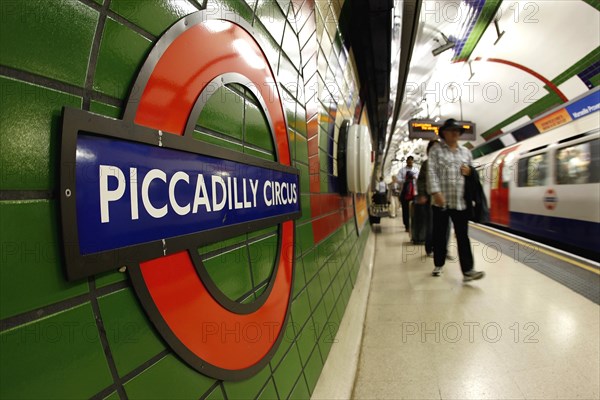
446,170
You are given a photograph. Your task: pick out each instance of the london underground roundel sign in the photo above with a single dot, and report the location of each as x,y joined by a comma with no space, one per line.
143,193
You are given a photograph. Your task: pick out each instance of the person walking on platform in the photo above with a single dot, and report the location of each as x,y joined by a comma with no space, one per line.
424,201
448,165
380,192
395,196
407,177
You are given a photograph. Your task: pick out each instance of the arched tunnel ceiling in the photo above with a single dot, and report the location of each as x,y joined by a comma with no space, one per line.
548,54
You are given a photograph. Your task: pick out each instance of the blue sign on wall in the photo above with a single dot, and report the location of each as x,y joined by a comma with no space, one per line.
130,193
584,106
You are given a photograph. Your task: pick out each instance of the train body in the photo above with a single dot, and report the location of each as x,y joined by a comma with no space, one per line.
548,186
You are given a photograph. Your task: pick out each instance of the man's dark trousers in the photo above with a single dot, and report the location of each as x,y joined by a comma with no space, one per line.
440,229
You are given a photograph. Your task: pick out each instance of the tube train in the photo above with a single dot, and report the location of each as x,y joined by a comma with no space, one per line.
548,186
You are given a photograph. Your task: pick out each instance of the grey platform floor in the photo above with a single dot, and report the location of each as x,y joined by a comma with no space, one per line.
516,334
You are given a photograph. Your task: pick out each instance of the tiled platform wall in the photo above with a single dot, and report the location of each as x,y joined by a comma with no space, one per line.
91,338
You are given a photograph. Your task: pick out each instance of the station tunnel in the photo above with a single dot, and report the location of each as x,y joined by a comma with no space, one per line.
296,199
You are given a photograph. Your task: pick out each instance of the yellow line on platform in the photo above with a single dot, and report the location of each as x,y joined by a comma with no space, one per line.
543,250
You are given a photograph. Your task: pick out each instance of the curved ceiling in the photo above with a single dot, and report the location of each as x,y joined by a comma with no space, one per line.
548,54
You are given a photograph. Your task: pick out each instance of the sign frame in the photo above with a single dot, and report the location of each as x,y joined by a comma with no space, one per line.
433,134
80,266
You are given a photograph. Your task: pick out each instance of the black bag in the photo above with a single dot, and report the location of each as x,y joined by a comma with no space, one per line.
477,208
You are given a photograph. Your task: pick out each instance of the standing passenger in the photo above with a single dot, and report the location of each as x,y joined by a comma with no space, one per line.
447,167
395,196
406,177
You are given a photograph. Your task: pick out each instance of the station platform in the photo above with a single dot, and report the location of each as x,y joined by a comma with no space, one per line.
515,334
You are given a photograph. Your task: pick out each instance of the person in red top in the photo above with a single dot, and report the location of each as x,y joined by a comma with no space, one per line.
407,177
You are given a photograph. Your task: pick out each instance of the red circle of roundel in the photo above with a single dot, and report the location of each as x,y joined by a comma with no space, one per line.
214,340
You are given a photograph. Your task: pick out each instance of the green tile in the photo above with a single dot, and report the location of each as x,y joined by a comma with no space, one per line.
122,53
310,265
269,392
305,204
130,334
595,80
271,229
222,244
299,281
108,278
289,104
300,391
325,342
324,161
323,137
231,272
169,378
329,300
314,292
105,109
154,16
319,318
113,396
249,388
304,238
260,154
307,340
216,394
313,369
224,113
262,258
301,309
58,357
206,138
30,117
301,148
287,373
288,338
50,38
304,177
31,270
257,130
300,123
324,182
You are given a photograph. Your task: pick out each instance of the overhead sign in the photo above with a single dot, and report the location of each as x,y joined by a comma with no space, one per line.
553,120
144,194
429,129
587,105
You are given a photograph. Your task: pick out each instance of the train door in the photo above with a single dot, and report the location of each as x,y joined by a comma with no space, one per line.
502,173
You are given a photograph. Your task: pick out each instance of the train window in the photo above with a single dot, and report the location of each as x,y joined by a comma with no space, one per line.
532,170
578,164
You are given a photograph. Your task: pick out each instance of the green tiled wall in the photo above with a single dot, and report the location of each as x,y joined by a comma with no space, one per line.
92,338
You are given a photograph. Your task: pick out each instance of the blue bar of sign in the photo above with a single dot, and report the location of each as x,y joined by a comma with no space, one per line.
585,106
130,193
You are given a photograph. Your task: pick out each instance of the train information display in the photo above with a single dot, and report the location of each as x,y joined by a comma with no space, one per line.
429,129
